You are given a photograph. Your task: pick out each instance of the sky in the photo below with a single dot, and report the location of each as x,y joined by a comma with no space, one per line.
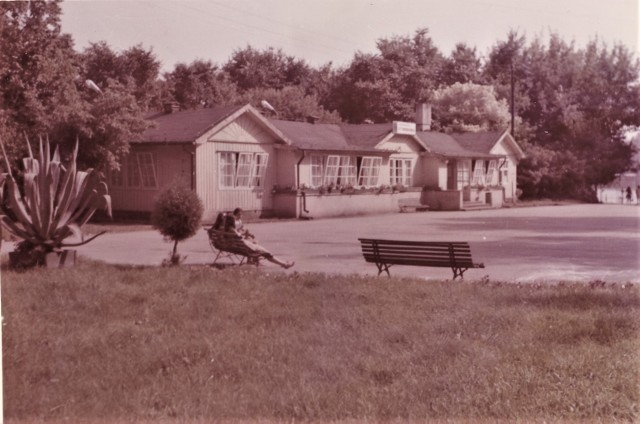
323,31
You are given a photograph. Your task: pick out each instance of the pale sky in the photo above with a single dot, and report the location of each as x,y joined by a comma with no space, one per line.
324,31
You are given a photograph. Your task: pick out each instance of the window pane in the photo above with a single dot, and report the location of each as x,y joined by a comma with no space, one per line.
243,170
259,169
226,170
116,178
369,171
331,172
406,172
316,171
478,173
147,169
133,172
347,173
492,173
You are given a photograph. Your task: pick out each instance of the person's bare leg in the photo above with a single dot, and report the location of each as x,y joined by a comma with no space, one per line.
279,261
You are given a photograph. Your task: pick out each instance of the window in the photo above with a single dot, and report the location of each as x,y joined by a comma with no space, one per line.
259,169
227,169
147,169
492,173
369,171
400,172
340,171
317,170
242,170
138,170
478,173
116,178
463,174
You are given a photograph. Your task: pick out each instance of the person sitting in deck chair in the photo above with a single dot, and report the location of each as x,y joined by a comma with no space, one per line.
233,224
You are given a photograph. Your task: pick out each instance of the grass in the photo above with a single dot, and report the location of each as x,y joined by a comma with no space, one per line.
100,343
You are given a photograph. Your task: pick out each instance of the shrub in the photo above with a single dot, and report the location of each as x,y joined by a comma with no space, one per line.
51,203
177,214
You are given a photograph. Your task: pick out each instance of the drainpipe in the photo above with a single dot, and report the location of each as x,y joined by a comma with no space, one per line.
304,195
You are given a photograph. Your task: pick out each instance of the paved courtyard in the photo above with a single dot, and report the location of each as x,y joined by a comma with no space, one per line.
533,244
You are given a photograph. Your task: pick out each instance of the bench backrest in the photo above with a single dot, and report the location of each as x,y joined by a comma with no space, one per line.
423,253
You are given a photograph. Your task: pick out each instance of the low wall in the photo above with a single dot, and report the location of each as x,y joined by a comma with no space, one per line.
314,205
444,200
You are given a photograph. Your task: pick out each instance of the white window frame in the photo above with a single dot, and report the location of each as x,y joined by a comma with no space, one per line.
116,178
492,173
259,169
317,171
478,173
137,172
348,171
369,171
462,173
331,170
400,171
241,170
226,170
147,169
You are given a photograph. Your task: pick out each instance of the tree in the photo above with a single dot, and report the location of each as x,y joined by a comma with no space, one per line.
43,89
136,69
469,107
291,104
249,68
575,106
387,86
463,65
177,214
200,84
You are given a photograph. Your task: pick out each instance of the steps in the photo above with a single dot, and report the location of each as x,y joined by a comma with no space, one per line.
474,206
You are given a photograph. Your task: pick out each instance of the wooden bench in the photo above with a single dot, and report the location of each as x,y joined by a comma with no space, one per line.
407,205
384,253
230,246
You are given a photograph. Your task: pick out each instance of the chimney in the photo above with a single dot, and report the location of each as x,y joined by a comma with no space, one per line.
423,117
171,107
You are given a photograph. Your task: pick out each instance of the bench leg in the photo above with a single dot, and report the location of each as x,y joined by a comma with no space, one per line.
458,272
383,267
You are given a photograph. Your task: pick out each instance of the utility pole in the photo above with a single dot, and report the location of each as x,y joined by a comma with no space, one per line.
513,106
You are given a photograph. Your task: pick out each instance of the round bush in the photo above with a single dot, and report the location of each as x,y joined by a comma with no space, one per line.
177,213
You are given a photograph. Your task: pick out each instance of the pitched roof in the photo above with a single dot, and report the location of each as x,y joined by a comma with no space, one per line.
340,137
184,126
188,125
478,141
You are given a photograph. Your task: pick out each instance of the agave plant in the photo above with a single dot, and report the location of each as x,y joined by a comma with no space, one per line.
54,204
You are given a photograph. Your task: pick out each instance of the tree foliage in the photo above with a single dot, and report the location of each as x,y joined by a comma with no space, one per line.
469,107
177,214
200,84
249,68
44,92
386,86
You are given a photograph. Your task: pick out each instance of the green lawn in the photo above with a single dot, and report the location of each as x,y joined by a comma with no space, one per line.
196,344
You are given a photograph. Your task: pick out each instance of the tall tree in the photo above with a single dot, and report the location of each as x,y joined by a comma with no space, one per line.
463,66
250,68
43,89
387,86
469,107
291,103
136,69
200,84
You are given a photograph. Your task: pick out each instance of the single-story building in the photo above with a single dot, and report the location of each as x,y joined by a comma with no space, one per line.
236,157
